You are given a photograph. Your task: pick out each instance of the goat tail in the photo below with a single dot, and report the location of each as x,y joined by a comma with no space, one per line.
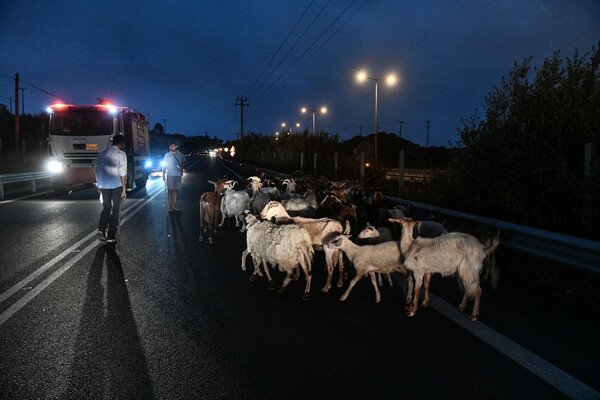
307,253
468,274
495,243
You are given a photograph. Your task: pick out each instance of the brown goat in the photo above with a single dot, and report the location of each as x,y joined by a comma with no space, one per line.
210,205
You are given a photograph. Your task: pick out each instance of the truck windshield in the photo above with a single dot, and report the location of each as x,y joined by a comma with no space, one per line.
82,123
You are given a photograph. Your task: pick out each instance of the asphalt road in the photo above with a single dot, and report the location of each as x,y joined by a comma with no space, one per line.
164,316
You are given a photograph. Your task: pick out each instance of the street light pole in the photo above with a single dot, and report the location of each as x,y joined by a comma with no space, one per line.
391,80
376,124
323,111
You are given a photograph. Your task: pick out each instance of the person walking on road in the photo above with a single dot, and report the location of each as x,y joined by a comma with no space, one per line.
174,164
111,175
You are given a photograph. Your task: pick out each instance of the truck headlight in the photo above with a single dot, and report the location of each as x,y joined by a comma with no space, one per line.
55,166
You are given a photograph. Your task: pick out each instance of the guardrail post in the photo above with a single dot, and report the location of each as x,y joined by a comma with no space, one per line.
362,168
33,185
1,191
335,166
401,172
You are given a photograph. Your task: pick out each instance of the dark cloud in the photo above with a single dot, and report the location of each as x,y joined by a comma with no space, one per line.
188,61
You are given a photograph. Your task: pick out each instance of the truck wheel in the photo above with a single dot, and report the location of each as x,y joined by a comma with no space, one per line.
141,182
61,189
130,172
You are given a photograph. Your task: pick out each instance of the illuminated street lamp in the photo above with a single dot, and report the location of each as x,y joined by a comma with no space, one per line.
391,80
305,110
283,125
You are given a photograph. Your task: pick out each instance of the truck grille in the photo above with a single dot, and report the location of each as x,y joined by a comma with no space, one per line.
78,155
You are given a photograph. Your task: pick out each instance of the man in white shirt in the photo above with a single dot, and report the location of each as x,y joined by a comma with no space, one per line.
174,164
111,178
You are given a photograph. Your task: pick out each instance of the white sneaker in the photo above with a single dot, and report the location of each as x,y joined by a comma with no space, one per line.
101,234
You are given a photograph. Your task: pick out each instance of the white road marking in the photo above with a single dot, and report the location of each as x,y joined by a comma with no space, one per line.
548,372
131,211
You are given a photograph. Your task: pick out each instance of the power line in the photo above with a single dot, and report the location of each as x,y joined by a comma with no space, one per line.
309,47
37,88
290,50
331,36
280,47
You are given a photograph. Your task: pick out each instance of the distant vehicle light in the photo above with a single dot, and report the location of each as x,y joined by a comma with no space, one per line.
55,166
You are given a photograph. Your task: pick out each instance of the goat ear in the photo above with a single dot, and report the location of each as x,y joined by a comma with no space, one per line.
419,226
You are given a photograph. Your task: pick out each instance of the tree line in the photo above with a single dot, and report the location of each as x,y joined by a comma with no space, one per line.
529,157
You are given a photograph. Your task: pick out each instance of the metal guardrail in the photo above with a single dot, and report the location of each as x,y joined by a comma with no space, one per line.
31,177
254,170
578,253
571,251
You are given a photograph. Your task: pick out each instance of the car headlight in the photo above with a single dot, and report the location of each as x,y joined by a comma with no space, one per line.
55,166
162,163
148,164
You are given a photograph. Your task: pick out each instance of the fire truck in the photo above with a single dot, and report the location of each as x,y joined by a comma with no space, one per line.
78,133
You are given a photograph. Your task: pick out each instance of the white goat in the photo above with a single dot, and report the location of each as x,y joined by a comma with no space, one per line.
447,254
318,229
375,236
383,257
233,204
283,245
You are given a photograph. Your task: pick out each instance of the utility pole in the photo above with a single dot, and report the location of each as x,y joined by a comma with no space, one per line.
22,100
242,103
427,122
165,120
17,112
400,133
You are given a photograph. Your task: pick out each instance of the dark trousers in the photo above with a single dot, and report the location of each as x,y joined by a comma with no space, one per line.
111,211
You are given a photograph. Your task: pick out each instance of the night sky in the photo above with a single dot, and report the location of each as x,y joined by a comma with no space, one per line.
188,61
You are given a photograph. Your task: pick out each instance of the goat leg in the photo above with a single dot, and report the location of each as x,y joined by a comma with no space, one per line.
379,281
418,282
426,285
307,273
352,283
340,265
244,255
329,254
374,282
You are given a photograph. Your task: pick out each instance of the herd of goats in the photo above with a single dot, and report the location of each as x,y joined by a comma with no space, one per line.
286,220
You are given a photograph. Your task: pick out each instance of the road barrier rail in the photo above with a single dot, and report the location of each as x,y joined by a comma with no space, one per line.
574,252
32,177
